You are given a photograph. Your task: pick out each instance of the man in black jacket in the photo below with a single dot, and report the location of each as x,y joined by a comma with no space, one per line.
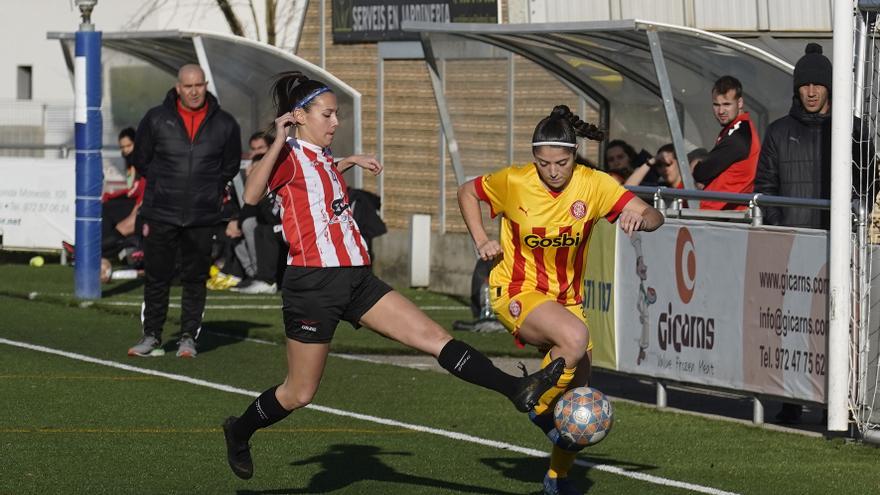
188,149
795,158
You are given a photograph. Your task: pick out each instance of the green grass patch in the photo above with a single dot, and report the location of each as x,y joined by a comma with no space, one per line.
68,426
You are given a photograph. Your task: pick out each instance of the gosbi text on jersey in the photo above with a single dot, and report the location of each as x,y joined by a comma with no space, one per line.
316,217
544,234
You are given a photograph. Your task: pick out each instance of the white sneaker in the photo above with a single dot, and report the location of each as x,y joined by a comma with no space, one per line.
259,287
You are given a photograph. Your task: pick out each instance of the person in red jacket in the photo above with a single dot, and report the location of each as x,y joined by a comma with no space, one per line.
731,164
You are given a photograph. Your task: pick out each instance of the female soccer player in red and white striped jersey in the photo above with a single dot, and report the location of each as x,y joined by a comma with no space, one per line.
328,278
549,208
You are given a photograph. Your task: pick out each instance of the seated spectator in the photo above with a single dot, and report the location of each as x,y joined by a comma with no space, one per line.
250,261
120,208
665,167
731,165
259,144
227,271
621,160
120,235
262,245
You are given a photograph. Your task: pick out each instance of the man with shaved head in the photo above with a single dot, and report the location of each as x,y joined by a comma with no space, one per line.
188,149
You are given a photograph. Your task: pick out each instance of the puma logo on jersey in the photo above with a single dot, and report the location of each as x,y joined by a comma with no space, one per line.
525,211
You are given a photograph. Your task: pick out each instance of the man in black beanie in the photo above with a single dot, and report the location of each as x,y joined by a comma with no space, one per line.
795,158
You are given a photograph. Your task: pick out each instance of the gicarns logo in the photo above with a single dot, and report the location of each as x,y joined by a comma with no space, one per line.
683,330
685,265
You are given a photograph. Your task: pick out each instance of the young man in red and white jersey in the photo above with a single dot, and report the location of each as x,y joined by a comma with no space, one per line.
732,163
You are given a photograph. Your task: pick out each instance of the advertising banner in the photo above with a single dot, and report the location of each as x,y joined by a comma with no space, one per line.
36,202
785,315
360,21
599,294
727,306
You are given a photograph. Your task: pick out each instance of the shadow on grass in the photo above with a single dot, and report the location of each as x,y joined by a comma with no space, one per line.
532,470
344,465
127,286
221,333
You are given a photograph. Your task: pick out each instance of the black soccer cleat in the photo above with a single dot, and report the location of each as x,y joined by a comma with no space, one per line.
532,387
237,453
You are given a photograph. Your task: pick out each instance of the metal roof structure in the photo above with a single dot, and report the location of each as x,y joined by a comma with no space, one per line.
650,81
239,72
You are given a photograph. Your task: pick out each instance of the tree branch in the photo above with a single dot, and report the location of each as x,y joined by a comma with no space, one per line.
271,5
231,18
254,16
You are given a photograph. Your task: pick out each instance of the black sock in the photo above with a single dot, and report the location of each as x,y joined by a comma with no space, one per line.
472,366
263,412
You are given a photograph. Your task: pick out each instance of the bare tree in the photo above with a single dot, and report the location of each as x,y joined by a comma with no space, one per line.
231,18
235,24
282,21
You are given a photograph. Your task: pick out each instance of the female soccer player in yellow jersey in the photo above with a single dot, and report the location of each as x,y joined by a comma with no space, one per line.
549,209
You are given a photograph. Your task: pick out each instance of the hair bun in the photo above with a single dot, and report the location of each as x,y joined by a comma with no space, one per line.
561,111
813,48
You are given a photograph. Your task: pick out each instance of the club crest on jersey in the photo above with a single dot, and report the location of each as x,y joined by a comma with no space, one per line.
339,206
515,308
578,209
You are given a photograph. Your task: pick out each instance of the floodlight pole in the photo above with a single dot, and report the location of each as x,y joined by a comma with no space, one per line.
89,169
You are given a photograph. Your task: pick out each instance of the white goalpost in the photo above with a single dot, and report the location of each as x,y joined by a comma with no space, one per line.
859,224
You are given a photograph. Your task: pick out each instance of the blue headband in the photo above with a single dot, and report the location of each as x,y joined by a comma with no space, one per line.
311,96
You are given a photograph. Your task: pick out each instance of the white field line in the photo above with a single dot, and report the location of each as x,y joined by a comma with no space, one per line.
260,306
352,357
374,419
207,306
256,297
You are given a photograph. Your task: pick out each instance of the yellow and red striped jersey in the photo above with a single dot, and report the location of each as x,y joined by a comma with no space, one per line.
544,234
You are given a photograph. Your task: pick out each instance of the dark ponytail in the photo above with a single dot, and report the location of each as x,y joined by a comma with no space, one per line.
564,127
290,88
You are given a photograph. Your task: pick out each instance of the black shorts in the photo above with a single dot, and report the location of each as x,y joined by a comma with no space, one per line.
315,299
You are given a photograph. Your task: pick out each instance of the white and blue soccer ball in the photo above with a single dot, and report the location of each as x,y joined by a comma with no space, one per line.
583,416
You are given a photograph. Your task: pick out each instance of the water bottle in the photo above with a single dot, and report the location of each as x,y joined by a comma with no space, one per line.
124,274
486,312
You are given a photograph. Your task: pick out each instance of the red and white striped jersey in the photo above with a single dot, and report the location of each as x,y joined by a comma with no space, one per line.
316,217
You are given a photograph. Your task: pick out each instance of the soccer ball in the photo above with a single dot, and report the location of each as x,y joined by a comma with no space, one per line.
583,416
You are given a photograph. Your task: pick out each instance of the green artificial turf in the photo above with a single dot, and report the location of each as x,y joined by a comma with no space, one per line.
69,426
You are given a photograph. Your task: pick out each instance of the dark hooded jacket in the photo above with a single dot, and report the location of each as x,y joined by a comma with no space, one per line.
186,179
795,161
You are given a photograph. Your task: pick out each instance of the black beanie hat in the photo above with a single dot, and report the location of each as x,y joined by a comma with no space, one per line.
813,67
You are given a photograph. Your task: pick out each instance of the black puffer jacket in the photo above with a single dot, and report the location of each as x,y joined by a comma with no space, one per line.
795,161
186,179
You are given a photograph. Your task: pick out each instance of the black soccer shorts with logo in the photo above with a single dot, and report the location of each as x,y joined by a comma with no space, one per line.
315,299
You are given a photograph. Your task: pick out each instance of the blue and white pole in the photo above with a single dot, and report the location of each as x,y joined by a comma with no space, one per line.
89,169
